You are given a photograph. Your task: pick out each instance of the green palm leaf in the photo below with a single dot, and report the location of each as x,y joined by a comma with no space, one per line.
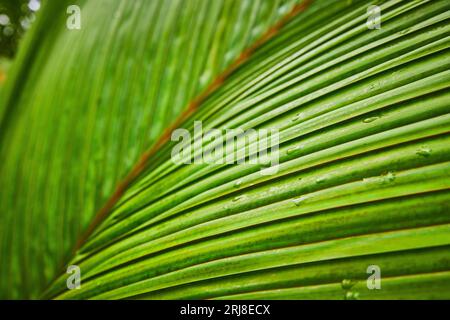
364,157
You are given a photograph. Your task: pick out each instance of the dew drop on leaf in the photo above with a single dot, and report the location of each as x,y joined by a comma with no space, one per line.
298,201
238,198
294,150
404,31
424,152
371,119
297,117
351,295
321,180
387,178
283,9
347,284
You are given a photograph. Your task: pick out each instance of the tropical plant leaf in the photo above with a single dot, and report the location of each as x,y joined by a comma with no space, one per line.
364,158
81,105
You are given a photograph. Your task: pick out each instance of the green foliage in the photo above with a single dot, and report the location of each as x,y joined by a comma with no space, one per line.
364,172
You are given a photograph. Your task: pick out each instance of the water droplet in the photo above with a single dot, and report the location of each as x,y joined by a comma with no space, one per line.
230,55
256,31
294,150
388,177
383,179
265,164
424,152
298,117
298,201
371,119
321,180
205,77
404,31
283,9
235,199
373,86
238,183
351,295
347,284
